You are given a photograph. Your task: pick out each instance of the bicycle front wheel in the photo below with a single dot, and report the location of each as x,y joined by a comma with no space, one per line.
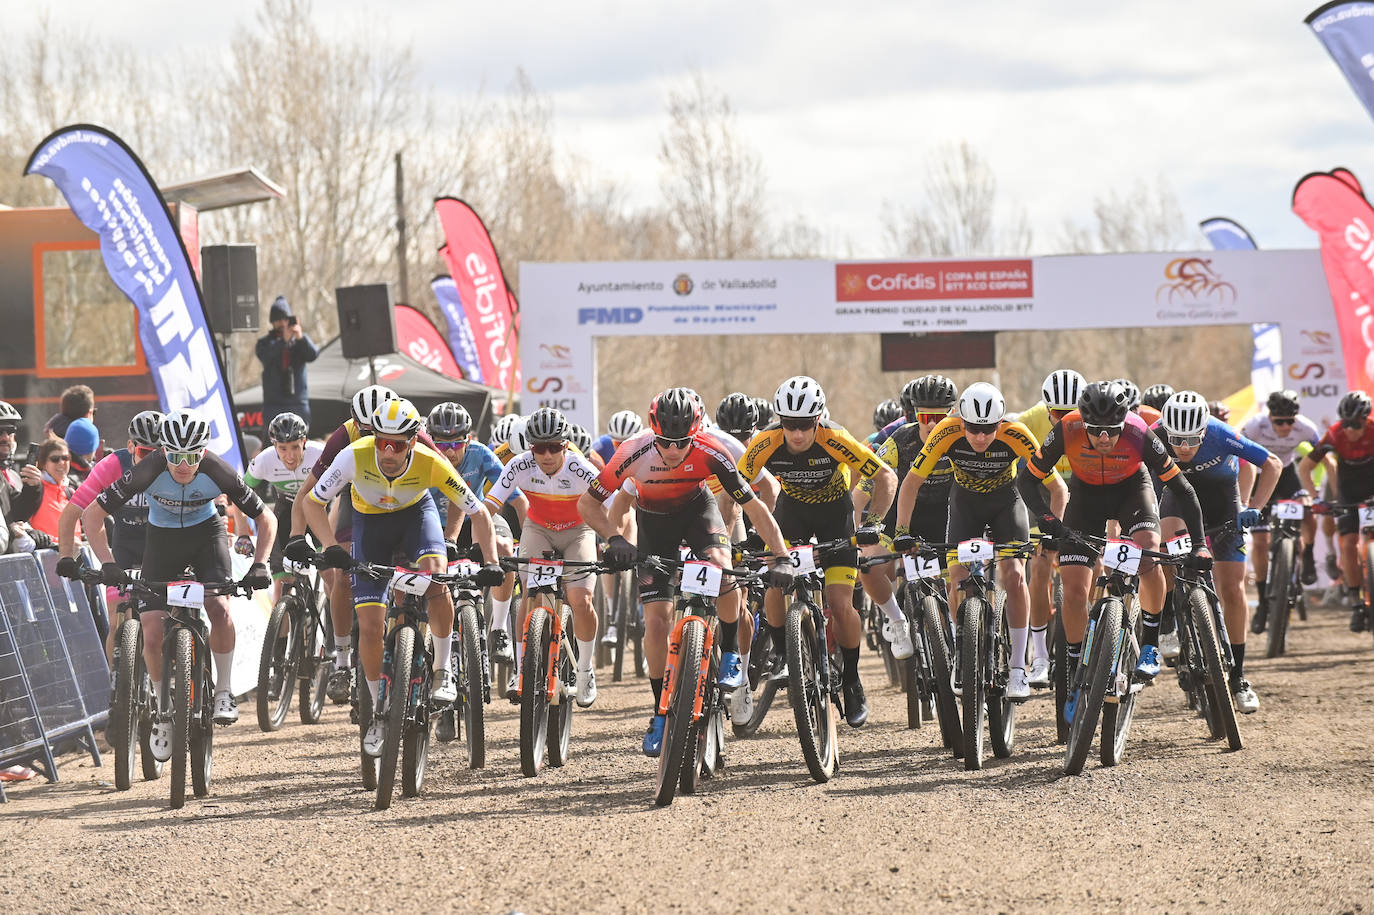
534,698
1105,635
1218,685
1001,710
560,715
397,711
972,651
678,726
202,723
415,740
937,649
470,686
277,667
1280,584
123,728
1116,716
184,704
809,696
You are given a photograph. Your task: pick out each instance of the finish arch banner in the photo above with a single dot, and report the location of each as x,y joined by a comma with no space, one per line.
482,289
418,338
111,192
568,305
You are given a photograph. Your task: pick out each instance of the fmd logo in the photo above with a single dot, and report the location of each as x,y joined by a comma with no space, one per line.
610,315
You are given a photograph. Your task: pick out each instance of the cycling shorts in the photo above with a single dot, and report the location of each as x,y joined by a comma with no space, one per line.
576,544
203,547
1352,490
1131,503
999,514
499,526
343,518
697,524
1287,487
414,532
1219,505
800,521
929,520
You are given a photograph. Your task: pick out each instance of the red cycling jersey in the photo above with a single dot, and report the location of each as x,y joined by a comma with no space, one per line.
1357,453
663,489
1135,446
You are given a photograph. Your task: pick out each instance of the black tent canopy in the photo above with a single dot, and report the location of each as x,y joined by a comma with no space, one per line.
334,380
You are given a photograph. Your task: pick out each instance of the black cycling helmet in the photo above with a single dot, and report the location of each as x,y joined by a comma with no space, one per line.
449,421
885,413
674,414
287,427
765,411
1354,408
1132,392
1283,403
546,425
931,392
1104,403
1156,395
737,414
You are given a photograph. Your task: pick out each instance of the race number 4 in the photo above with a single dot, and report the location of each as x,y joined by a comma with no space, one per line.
409,582
186,594
975,550
1122,555
920,567
701,578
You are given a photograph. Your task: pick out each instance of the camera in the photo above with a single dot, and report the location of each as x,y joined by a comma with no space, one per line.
291,320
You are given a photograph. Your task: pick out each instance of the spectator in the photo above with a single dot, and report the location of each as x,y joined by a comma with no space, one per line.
20,486
284,352
54,457
78,402
83,441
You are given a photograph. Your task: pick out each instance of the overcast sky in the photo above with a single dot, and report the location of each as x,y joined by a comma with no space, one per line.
1230,101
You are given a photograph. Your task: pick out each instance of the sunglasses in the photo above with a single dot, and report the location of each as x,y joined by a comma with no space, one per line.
547,447
1282,422
176,458
794,424
393,445
142,451
59,458
1352,424
8,430
980,428
672,442
930,417
1185,441
451,444
1095,431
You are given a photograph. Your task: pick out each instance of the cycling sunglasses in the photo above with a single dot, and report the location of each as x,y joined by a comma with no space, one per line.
797,424
672,442
980,428
930,417
142,451
1357,423
1095,431
1185,441
1282,421
450,444
190,458
394,445
8,430
547,447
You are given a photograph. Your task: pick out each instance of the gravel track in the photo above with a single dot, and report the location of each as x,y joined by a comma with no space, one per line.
1285,824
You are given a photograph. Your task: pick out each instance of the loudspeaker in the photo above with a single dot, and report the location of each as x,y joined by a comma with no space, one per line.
367,323
230,283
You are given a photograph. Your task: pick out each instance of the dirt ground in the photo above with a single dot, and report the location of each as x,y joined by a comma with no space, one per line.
1286,824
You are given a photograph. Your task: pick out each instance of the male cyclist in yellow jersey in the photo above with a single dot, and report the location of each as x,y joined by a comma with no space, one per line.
391,475
810,458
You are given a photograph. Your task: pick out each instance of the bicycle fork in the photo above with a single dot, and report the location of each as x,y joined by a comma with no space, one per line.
670,669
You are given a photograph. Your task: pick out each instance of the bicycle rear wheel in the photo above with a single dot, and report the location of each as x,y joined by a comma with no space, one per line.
946,705
1218,687
470,686
397,711
1280,584
277,666
123,728
1059,673
202,724
678,726
561,715
415,740
1103,636
184,705
534,698
809,696
1001,710
972,651
316,644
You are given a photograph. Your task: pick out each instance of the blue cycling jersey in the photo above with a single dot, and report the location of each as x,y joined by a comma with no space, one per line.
480,468
604,447
172,505
1217,461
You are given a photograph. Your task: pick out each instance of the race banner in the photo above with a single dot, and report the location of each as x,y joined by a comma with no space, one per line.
110,191
418,338
1346,29
460,340
1345,223
1266,359
483,290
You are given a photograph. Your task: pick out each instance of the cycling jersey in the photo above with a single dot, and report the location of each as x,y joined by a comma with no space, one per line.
553,499
662,489
733,447
341,438
1357,454
267,467
503,453
1261,431
932,502
817,474
977,471
604,446
131,521
376,493
1136,446
480,468
1216,464
172,505
1149,414
1040,423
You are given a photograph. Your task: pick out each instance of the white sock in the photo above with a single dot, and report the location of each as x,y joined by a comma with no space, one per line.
1038,641
516,651
374,687
1018,647
224,663
500,613
341,648
585,653
894,612
443,651
159,690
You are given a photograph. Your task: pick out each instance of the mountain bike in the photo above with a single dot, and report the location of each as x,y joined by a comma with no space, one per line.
296,652
932,664
1285,592
471,669
1365,552
760,677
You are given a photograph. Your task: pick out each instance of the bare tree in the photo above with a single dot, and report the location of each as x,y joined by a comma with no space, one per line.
1146,218
958,214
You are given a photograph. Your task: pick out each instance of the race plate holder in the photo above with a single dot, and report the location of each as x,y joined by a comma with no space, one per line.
920,567
976,550
408,581
803,560
544,573
1288,510
1367,516
1179,546
186,594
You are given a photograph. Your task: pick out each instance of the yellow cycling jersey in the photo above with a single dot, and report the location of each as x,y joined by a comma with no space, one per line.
503,453
376,493
1038,420
819,474
978,471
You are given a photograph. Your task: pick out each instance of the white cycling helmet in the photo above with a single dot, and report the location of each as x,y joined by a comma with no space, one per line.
1185,413
396,417
366,402
1132,393
144,429
799,397
1061,389
981,403
184,430
624,424
518,441
500,433
8,413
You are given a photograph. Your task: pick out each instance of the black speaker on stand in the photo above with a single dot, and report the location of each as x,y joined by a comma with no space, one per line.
230,283
367,322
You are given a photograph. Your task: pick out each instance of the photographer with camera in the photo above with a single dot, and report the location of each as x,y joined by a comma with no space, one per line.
284,351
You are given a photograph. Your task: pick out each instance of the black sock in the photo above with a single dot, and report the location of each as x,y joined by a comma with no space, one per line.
851,664
1237,662
1149,632
775,637
729,636
1307,550
657,687
1075,650
1261,587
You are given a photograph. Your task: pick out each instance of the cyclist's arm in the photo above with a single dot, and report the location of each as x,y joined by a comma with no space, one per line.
1306,464
620,509
591,505
1059,493
1035,477
93,523
766,526
1269,475
298,504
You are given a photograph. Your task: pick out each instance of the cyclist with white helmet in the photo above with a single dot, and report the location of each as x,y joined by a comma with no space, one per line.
984,448
813,460
391,473
182,481
507,437
1210,452
624,424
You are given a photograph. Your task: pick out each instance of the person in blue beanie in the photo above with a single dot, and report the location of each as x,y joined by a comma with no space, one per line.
83,441
284,352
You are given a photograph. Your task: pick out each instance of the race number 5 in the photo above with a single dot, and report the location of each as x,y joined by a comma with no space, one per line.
701,578
975,550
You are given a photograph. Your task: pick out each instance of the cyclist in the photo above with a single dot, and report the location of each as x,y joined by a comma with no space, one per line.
1112,454
1282,429
450,426
553,476
668,463
885,413
511,434
983,448
285,467
1209,452
1059,394
764,406
1135,402
581,439
812,460
1351,441
1155,395
929,400
623,425
391,473
182,481
501,431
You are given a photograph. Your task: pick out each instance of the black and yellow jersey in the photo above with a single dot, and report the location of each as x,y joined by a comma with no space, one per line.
818,474
978,471
899,451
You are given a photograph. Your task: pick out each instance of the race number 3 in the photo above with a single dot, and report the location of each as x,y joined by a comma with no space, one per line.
701,578
186,594
803,559
1122,555
975,550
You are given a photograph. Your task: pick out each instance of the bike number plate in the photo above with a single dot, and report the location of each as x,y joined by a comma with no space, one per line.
291,565
186,594
684,553
1179,546
1122,555
975,550
1288,510
1367,516
544,573
408,582
921,567
701,578
464,567
803,559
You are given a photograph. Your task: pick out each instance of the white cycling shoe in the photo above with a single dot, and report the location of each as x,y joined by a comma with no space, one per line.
903,646
741,704
443,691
375,737
586,688
226,709
160,740
1017,685
1039,673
